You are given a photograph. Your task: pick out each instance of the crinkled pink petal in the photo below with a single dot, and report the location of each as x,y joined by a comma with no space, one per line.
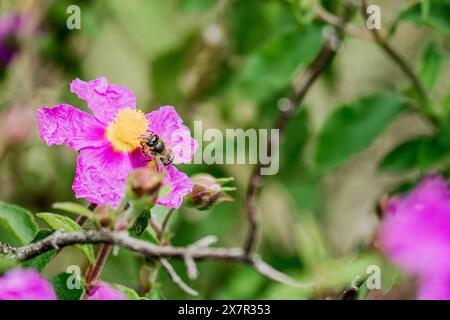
101,175
415,233
103,291
167,124
180,185
66,124
25,284
103,98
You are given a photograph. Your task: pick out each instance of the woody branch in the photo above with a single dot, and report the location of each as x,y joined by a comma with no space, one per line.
122,239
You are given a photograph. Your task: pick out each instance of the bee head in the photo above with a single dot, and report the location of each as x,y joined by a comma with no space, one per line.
152,141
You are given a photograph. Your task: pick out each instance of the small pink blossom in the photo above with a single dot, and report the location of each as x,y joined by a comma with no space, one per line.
415,235
25,284
108,141
10,26
103,291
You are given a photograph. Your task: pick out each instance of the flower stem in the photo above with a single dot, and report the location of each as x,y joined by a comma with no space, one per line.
81,220
94,273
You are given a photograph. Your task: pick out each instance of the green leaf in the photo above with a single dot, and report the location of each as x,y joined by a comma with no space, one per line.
74,208
17,225
40,262
421,153
129,293
352,127
271,67
435,14
312,246
304,191
148,235
195,5
432,61
142,222
59,222
425,6
295,138
7,263
304,10
67,286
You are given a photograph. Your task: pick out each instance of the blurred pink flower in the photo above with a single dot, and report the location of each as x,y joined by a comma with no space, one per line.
10,26
15,125
415,235
103,291
109,141
25,284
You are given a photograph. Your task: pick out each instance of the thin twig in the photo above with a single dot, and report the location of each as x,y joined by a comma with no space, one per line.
398,59
156,227
165,223
176,278
300,89
160,230
335,21
148,250
191,267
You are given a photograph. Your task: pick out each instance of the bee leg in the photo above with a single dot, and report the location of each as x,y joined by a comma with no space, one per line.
159,164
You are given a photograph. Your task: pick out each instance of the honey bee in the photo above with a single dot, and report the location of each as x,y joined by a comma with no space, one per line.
155,147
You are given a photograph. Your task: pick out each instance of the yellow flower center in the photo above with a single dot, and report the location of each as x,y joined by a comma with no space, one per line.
126,130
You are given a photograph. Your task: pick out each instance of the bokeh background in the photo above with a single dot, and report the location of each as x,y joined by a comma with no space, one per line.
228,63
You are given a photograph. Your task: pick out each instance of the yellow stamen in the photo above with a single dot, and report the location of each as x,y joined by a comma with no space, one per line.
126,130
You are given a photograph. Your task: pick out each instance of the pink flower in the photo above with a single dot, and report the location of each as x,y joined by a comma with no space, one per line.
109,141
103,291
415,235
25,284
10,26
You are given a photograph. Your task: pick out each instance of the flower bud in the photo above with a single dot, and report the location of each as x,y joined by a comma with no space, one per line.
208,191
144,182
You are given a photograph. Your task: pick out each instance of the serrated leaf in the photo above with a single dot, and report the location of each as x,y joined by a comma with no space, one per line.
74,208
129,293
59,222
432,61
40,262
17,225
352,127
419,153
68,286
